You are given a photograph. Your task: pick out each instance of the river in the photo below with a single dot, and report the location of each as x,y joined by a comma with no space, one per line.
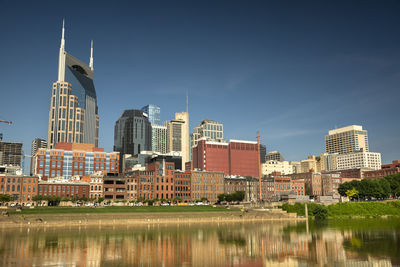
368,242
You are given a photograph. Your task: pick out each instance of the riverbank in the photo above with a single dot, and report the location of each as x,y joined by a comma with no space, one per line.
140,218
350,209
118,209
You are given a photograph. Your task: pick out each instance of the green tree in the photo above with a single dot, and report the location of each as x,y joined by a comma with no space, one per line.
204,199
238,196
5,198
221,197
320,212
100,199
343,188
352,193
228,197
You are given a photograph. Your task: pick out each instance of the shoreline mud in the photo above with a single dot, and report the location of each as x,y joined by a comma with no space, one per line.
143,218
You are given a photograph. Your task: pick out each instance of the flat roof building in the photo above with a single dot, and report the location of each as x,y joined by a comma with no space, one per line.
347,140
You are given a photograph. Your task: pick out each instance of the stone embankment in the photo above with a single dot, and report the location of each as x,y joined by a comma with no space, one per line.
140,218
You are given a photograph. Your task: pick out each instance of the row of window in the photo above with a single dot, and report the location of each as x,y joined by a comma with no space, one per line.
17,188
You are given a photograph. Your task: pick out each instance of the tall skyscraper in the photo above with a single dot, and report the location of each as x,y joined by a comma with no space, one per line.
209,129
36,144
132,133
159,138
73,115
178,135
153,112
347,140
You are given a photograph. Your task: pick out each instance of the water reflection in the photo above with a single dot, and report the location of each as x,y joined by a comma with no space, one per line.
345,243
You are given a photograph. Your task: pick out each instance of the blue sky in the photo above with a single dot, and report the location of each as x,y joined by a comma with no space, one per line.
291,69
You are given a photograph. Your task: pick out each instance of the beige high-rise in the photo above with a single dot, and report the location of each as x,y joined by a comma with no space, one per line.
347,140
73,114
178,136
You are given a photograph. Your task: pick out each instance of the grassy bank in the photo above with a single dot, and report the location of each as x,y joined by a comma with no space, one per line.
69,210
350,209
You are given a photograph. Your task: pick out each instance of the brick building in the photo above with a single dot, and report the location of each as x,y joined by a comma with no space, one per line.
64,189
21,188
206,184
163,172
387,169
330,183
182,185
114,188
312,180
238,158
273,188
96,184
249,185
69,159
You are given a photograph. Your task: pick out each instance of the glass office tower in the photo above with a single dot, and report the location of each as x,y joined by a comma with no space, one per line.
153,112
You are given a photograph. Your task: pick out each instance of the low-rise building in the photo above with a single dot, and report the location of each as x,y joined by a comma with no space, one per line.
64,188
249,185
96,184
381,173
114,188
313,182
21,188
284,167
182,185
206,184
275,187
330,183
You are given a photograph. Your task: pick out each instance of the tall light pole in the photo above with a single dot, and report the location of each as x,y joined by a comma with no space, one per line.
259,165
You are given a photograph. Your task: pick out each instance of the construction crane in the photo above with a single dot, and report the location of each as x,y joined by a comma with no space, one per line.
8,122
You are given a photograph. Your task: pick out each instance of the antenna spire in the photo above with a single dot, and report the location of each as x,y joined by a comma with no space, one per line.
91,56
61,59
62,36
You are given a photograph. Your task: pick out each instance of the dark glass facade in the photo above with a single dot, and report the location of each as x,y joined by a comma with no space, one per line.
132,133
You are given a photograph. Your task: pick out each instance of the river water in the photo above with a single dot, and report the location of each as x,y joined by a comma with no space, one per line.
371,242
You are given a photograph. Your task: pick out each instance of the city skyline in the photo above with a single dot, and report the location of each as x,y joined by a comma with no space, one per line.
244,84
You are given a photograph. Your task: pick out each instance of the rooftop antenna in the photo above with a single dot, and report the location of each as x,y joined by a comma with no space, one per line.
91,56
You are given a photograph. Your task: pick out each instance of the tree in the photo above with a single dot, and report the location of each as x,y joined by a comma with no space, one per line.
320,212
100,199
228,198
204,199
5,198
343,188
238,196
221,197
352,193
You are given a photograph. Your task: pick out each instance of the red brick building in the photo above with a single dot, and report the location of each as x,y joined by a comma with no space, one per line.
381,173
312,180
206,184
163,173
394,164
234,158
21,188
182,185
64,189
277,186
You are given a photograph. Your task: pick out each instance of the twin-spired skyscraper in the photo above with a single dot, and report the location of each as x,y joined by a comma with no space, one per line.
73,115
